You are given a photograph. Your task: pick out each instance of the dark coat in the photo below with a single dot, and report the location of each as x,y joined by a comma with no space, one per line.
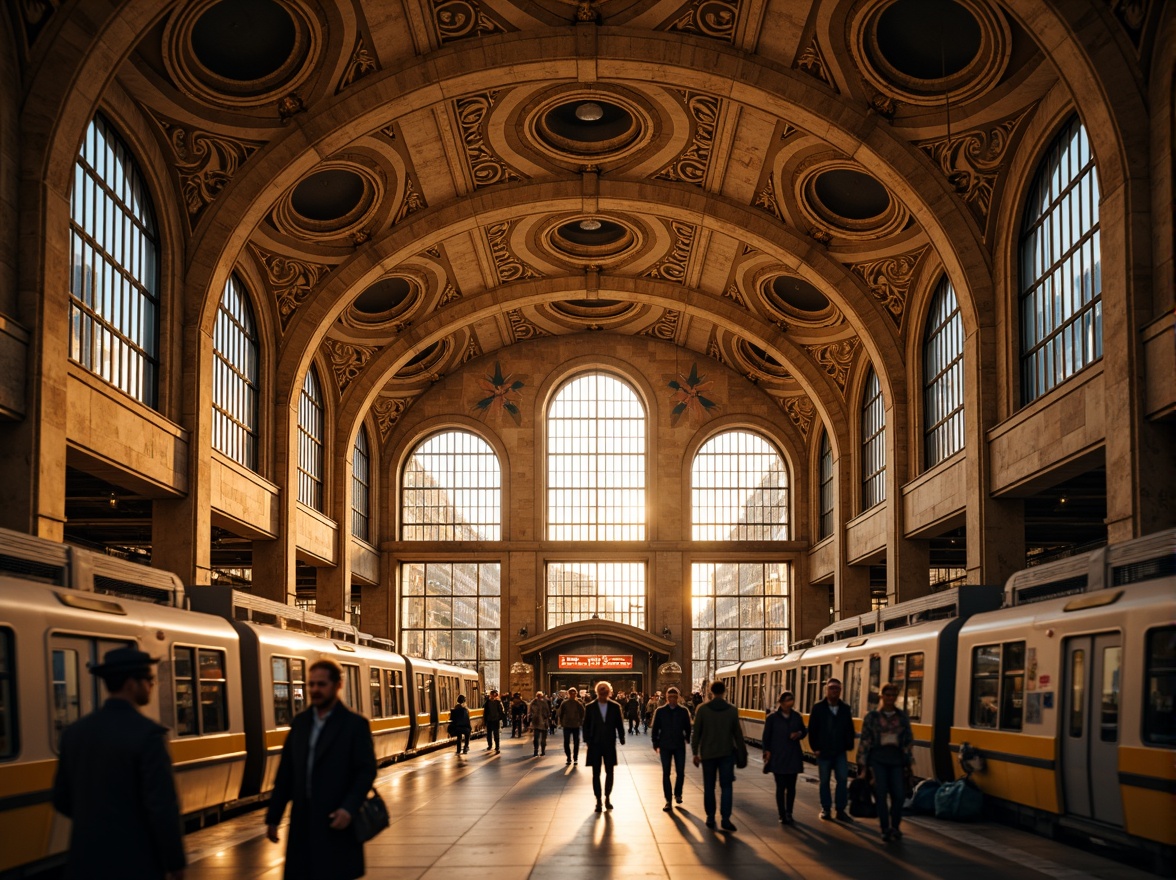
786,754
633,709
493,713
830,735
671,727
459,720
114,780
344,770
601,734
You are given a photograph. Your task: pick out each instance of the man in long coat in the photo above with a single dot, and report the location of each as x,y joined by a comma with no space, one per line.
603,725
114,780
328,766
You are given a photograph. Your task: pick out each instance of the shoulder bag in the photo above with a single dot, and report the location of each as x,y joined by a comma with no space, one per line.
371,819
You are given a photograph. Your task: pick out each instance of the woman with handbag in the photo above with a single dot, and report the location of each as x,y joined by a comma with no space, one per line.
885,752
783,758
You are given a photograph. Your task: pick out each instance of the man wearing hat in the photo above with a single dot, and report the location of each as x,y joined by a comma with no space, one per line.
114,780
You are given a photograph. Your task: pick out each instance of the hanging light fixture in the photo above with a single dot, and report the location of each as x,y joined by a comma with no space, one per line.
589,111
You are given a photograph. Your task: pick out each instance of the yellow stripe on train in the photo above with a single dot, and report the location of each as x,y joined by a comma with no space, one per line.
1006,777
24,834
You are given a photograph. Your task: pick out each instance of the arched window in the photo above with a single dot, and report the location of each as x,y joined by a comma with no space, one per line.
943,377
873,444
235,377
361,487
1061,270
114,278
825,526
596,462
452,490
739,490
310,442
739,611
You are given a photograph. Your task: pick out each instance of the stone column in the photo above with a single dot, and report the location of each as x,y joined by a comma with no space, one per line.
274,561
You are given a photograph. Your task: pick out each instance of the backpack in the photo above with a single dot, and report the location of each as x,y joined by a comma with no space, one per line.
861,799
959,801
923,800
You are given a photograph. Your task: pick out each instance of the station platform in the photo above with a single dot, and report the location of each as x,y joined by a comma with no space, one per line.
511,816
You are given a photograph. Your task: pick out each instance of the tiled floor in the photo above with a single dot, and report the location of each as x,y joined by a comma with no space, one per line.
511,816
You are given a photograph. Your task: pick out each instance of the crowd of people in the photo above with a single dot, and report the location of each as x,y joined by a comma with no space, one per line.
114,777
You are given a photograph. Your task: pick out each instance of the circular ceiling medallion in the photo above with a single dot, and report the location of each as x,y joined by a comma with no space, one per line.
798,301
425,359
243,53
926,51
840,198
589,125
332,201
385,300
590,240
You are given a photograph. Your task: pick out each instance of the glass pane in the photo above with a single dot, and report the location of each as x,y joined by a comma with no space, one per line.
739,490
1109,723
452,490
1159,719
182,665
185,709
213,712
1077,692
66,694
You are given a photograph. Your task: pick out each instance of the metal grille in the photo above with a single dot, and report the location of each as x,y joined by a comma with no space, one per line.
826,487
596,462
452,611
1061,266
310,442
873,444
943,377
739,490
452,490
114,278
360,487
586,590
235,370
740,612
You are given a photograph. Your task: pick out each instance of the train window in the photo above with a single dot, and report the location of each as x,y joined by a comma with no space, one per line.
1077,693
1012,686
775,685
67,695
8,726
183,677
443,704
853,687
1109,722
289,689
1159,713
985,685
906,673
424,704
873,694
377,691
214,710
396,702
790,679
353,685
998,686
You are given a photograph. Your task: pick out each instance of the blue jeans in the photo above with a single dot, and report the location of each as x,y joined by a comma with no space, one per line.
678,757
889,781
724,769
840,768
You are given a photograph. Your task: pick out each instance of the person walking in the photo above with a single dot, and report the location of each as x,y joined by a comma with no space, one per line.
518,711
571,719
831,736
603,726
885,752
540,712
670,733
633,713
650,708
327,767
783,758
716,738
493,716
114,780
459,724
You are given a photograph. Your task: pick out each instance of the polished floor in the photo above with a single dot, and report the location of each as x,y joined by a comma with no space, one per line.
514,817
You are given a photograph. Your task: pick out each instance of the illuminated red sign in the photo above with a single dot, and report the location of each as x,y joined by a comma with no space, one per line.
595,661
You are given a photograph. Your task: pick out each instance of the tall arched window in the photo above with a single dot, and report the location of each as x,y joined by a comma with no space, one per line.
825,526
452,490
1061,269
235,370
114,278
873,444
361,487
310,442
596,462
943,377
739,490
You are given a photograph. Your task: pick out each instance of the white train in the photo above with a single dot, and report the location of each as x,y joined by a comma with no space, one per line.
1064,682
232,676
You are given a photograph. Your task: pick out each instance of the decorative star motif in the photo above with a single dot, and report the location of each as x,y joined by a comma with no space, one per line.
690,396
502,394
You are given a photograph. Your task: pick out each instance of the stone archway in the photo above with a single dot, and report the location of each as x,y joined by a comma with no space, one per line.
582,653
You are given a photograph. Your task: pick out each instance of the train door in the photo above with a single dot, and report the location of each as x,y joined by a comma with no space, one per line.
75,691
1090,727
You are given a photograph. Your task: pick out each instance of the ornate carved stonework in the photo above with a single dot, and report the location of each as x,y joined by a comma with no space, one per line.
449,294
800,410
733,293
710,18
290,280
787,130
812,62
34,15
359,65
665,327
461,19
766,198
522,329
388,411
509,267
347,360
413,201
672,267
835,358
472,350
972,161
205,162
1132,14
485,167
889,279
691,165
715,351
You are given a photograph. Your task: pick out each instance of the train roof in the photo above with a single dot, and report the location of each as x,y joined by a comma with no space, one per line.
240,606
962,601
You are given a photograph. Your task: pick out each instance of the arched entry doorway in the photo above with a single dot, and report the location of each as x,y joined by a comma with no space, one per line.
583,653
